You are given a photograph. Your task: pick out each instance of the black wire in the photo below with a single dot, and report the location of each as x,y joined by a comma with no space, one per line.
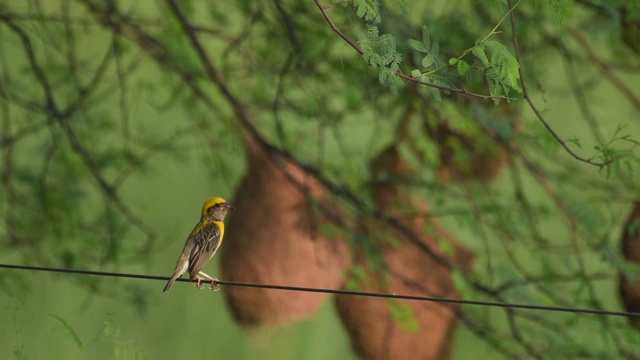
337,292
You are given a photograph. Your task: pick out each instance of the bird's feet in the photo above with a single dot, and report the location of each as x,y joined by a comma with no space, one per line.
214,284
214,281
199,284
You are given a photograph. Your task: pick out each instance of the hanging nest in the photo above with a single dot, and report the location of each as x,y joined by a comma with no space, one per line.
471,141
629,288
274,238
467,157
390,329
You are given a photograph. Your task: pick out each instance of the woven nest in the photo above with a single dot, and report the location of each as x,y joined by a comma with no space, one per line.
629,289
274,238
376,333
483,161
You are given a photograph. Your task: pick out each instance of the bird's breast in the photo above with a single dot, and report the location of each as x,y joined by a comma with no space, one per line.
220,225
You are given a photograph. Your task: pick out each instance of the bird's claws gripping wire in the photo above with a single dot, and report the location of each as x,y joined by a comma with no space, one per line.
214,285
199,284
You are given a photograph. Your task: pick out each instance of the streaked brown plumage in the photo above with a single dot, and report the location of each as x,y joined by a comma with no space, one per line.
203,242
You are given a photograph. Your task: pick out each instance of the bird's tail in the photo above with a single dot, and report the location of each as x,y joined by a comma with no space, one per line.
169,283
181,267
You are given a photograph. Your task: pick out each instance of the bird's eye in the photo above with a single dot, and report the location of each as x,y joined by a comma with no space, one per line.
218,205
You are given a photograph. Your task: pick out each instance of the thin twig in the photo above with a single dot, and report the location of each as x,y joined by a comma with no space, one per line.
355,46
535,110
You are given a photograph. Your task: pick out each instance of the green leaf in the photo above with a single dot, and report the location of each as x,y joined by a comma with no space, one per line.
426,38
355,277
380,52
418,46
427,47
404,6
395,83
560,7
463,67
435,49
453,61
68,329
506,66
427,61
474,76
367,10
436,94
479,53
403,315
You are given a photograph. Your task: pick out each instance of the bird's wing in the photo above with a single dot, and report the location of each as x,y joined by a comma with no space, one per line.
183,259
205,243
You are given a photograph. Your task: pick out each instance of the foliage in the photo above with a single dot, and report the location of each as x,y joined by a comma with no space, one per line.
380,52
110,333
523,143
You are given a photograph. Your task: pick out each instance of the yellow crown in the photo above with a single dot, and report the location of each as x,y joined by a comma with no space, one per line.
210,202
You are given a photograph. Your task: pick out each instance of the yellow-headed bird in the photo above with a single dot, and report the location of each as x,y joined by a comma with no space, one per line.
203,242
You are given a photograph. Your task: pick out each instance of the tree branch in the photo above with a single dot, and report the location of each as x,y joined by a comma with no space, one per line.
527,97
355,46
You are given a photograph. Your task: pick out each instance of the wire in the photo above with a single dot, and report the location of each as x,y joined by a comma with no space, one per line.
337,292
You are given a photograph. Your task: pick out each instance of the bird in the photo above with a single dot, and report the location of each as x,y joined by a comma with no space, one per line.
202,243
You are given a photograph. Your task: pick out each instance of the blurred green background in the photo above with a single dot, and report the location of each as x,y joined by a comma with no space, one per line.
335,114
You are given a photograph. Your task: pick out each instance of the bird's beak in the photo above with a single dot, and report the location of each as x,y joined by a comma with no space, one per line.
231,207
